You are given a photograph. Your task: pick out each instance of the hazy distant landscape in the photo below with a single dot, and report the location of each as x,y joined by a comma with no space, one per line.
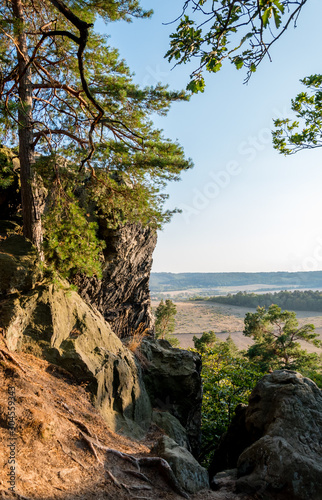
195,317
187,285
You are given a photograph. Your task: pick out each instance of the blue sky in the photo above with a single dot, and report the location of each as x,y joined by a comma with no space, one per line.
245,207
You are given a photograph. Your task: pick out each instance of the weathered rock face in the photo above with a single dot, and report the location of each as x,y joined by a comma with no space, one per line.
283,423
19,270
189,473
173,382
53,322
122,295
172,427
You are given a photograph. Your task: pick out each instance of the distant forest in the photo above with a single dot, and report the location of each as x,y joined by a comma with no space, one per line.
307,300
163,282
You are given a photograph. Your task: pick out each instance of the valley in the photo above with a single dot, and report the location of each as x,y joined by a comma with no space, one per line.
195,317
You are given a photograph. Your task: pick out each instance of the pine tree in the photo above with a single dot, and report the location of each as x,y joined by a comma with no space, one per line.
276,336
165,318
81,123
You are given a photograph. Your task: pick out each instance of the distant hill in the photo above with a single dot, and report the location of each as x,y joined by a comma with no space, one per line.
163,282
307,300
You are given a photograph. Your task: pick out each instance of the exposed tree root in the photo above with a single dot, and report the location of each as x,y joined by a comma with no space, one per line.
7,354
113,478
158,462
80,425
139,475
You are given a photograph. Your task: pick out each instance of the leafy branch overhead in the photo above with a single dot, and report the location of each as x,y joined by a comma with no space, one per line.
242,32
292,136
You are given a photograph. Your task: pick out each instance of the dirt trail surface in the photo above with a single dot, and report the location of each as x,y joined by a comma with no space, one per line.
195,317
52,459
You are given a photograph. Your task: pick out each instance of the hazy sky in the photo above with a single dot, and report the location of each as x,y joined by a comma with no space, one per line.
245,207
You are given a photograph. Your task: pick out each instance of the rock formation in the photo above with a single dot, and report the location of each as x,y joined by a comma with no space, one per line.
189,473
51,321
48,319
282,429
174,385
172,427
123,295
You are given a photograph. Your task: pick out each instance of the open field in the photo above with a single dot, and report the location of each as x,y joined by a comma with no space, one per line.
196,317
222,290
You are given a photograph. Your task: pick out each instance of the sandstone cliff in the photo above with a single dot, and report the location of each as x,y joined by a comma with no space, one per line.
123,295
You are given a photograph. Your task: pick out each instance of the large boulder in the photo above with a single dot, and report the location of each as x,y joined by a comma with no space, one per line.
53,322
173,381
189,473
283,423
123,295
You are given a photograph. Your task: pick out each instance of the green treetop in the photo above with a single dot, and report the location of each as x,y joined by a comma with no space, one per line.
165,318
276,336
305,132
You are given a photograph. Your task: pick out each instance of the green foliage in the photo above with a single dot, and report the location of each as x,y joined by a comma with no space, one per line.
174,341
307,300
71,243
228,379
240,32
276,334
229,375
165,319
7,174
305,132
206,340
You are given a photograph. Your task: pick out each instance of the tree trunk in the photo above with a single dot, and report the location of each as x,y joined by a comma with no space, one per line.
30,199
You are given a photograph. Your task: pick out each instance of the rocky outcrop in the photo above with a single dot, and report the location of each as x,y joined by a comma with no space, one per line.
122,295
282,459
189,473
173,381
52,321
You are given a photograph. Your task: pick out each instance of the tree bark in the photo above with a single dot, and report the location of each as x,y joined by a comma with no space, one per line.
30,196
